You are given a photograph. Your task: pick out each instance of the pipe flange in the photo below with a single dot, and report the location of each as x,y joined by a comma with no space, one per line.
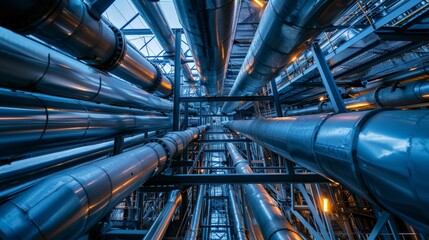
118,54
167,151
158,78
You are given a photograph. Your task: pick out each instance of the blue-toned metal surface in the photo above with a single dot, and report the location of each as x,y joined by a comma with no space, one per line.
209,27
159,227
48,71
32,122
67,205
381,155
285,30
273,223
69,26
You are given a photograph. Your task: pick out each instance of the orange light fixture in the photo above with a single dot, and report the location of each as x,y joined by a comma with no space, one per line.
259,3
325,205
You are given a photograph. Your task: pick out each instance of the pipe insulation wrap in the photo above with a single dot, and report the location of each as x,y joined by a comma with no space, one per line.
381,154
68,204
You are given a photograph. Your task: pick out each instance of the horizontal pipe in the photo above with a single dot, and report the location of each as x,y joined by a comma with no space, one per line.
32,122
285,30
17,174
377,154
209,27
272,222
237,217
48,71
196,215
155,19
407,94
159,227
67,205
69,26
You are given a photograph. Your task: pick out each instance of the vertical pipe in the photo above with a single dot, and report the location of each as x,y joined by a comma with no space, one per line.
159,227
196,216
239,228
273,223
176,112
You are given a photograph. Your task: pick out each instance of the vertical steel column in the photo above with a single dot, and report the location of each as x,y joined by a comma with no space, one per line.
177,63
328,80
185,116
118,145
276,98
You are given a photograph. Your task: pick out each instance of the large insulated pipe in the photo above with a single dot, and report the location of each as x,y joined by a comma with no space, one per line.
196,215
272,222
155,19
285,31
18,175
380,154
48,71
68,25
159,227
68,204
209,27
32,122
237,217
407,94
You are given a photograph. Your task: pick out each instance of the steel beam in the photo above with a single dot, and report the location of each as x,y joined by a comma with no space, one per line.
191,179
176,106
226,99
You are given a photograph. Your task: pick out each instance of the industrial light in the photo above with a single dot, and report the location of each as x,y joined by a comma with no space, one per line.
259,3
325,205
322,98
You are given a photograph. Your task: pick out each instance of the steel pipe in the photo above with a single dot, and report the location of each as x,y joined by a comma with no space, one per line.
407,94
67,205
380,155
285,30
155,19
48,71
68,25
33,122
15,177
272,222
196,216
209,27
159,227
237,217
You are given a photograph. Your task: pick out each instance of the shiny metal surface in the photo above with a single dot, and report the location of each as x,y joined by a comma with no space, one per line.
376,154
209,27
159,227
272,222
34,122
67,205
285,30
154,17
407,94
196,215
15,176
68,25
48,71
237,217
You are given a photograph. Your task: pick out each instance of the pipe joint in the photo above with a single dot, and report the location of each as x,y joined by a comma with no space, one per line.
119,52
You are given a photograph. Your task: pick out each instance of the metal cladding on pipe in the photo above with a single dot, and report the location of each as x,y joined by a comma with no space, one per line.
381,155
159,227
14,177
68,204
48,71
68,25
272,222
285,31
153,16
33,122
196,216
407,94
210,28
237,217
